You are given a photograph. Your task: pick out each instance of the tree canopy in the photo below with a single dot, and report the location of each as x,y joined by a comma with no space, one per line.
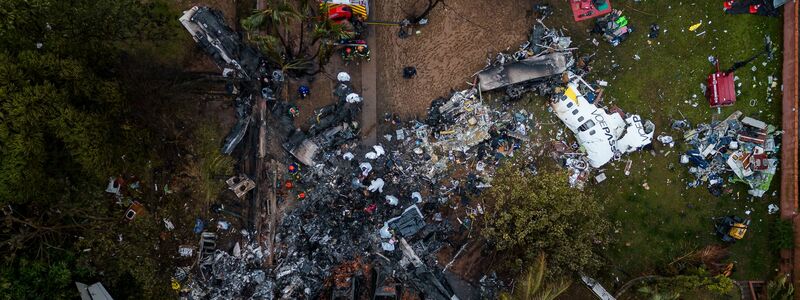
63,114
65,127
529,214
272,31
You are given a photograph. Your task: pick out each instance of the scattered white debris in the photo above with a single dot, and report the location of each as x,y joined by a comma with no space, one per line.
365,168
600,177
348,156
387,246
353,98
392,200
416,196
237,250
666,140
223,225
185,251
168,224
343,77
379,150
376,185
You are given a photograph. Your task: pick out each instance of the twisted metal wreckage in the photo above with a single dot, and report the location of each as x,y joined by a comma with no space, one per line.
748,148
363,202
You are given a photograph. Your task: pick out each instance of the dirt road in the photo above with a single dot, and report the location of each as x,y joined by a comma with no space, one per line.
369,83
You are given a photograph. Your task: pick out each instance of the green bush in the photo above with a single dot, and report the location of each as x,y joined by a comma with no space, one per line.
529,214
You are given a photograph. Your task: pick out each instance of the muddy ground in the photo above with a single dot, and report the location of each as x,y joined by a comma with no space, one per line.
455,44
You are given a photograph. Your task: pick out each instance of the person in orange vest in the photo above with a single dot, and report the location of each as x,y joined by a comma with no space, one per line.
293,168
362,51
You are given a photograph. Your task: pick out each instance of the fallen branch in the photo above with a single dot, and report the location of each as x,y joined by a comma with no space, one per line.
455,257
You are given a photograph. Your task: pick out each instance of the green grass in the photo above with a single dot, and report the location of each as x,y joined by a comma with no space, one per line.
211,162
669,220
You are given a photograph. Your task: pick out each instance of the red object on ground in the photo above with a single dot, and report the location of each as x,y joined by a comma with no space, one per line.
721,91
301,196
289,185
727,4
371,208
340,13
584,9
760,162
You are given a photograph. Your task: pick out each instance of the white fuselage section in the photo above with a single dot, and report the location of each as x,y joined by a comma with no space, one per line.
601,134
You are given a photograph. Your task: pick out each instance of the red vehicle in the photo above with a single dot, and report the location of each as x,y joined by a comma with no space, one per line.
345,9
587,9
340,13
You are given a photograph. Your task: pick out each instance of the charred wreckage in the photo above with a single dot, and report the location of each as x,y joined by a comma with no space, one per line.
368,220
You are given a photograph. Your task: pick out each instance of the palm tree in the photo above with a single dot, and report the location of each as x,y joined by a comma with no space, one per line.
532,285
326,33
268,29
780,289
271,20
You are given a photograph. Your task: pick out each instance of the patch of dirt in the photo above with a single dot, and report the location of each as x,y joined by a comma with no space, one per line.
460,36
471,264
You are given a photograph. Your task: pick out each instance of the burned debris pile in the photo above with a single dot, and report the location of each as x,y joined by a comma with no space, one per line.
745,147
394,205
350,192
208,28
545,64
230,274
384,203
237,60
331,125
537,65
